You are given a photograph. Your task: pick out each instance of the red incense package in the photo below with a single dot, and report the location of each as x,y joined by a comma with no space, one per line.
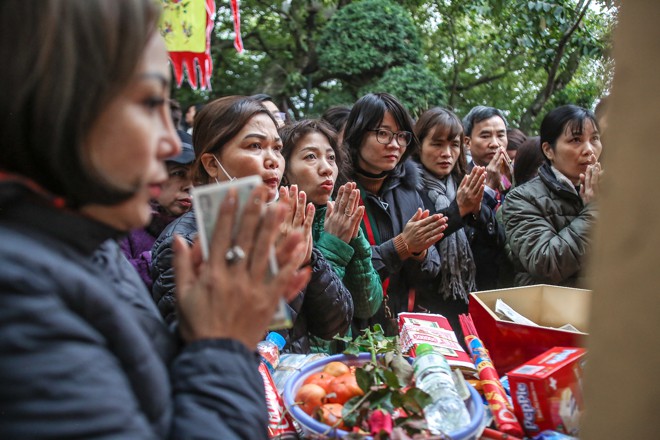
280,423
495,395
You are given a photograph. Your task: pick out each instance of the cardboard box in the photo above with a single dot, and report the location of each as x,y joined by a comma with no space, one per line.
547,391
511,344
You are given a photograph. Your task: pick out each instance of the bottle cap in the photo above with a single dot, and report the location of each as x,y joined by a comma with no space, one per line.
276,339
423,349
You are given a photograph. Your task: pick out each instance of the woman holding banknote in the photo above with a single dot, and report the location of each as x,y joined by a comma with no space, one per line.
548,219
85,131
236,137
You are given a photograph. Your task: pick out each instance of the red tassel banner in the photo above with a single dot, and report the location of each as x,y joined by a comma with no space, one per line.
186,26
236,13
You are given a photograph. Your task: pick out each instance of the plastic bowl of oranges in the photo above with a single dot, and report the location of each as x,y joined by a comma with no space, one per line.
315,396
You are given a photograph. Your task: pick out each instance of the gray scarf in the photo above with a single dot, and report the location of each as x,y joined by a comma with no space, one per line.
457,263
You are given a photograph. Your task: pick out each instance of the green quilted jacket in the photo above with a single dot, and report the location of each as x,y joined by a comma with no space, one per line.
352,263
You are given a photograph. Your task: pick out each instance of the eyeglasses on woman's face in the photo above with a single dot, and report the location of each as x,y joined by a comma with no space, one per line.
385,136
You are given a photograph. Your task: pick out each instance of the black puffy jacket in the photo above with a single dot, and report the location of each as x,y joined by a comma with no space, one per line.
162,271
324,308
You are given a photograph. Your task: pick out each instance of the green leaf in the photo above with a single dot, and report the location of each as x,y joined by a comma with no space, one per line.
364,379
402,369
391,380
397,399
420,397
380,398
346,339
352,349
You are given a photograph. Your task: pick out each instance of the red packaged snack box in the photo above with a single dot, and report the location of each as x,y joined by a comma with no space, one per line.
547,391
511,344
433,329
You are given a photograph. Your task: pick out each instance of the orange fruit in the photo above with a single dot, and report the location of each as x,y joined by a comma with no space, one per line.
321,379
343,387
330,414
336,368
310,396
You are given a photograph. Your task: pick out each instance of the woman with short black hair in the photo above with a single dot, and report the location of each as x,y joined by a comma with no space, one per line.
315,163
85,130
379,137
548,219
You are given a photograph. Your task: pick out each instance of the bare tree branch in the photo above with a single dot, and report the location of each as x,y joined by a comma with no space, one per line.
481,80
553,80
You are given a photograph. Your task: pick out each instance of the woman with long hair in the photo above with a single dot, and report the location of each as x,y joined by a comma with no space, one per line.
446,187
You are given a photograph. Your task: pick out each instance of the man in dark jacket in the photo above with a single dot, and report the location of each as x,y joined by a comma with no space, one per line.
485,136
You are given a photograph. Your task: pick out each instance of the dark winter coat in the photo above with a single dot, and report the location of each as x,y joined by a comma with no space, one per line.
162,270
324,308
487,240
547,227
391,209
85,354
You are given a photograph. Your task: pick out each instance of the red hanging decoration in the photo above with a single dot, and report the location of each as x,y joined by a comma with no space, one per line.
236,13
186,26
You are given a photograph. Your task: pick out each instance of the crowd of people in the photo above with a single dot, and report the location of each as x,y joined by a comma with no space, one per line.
111,321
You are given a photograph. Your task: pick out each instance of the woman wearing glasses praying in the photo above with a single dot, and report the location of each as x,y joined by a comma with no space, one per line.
379,139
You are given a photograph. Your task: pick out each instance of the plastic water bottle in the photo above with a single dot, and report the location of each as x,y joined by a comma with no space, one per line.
269,350
447,412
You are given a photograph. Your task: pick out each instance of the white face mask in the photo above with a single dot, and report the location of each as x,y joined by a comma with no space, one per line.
223,170
277,194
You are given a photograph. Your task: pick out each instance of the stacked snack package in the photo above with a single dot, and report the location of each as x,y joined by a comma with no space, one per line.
547,391
435,330
497,399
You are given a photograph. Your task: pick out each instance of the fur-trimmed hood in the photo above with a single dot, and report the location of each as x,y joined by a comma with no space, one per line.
419,169
408,174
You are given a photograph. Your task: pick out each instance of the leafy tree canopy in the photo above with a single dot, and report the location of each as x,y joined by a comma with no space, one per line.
365,38
414,85
523,56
